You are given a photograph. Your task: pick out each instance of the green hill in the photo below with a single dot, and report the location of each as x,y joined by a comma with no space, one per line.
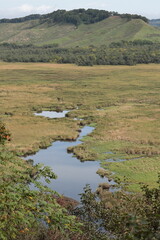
114,28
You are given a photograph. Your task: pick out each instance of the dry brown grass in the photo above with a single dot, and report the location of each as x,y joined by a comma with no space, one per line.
128,96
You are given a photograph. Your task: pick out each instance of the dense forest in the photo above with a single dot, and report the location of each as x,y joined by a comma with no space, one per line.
76,17
118,53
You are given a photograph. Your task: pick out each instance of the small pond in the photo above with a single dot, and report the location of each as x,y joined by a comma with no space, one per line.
52,114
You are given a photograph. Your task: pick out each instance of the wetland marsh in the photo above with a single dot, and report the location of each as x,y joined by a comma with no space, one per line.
72,174
127,127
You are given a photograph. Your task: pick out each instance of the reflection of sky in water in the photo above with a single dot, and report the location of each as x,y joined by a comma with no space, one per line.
73,175
52,114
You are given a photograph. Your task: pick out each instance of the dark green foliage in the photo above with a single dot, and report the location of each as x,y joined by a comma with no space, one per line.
133,16
118,53
90,214
132,43
76,17
22,19
27,213
124,216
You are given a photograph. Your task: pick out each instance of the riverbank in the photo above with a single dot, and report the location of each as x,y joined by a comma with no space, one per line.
73,175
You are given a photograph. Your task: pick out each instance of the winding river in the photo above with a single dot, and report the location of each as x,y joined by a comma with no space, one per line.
72,174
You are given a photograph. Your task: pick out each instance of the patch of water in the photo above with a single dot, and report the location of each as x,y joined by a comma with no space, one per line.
80,119
109,152
73,175
52,114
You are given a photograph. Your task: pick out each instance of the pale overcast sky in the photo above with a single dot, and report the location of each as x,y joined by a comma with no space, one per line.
18,8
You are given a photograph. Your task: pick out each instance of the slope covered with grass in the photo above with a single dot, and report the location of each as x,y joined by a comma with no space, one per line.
111,29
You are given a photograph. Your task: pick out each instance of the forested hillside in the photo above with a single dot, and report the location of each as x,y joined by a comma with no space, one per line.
77,28
76,17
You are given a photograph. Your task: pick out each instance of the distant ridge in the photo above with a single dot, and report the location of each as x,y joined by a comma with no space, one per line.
20,19
155,22
78,27
76,17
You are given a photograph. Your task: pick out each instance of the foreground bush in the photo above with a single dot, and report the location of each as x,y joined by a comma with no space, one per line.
124,216
23,210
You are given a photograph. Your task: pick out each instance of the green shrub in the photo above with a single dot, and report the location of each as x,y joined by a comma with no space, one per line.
25,203
125,216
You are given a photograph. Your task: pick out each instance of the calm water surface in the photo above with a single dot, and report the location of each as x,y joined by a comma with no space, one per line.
52,114
72,174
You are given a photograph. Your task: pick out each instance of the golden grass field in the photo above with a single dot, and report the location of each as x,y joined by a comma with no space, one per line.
122,102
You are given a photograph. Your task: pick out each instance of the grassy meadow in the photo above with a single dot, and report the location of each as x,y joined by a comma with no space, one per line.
122,102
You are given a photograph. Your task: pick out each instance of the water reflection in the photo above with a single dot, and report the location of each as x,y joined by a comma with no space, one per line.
52,114
73,175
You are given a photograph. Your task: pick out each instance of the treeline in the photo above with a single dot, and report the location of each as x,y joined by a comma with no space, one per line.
89,16
118,53
21,19
76,17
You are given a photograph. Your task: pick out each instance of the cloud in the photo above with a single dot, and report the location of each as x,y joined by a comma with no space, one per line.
24,10
102,5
